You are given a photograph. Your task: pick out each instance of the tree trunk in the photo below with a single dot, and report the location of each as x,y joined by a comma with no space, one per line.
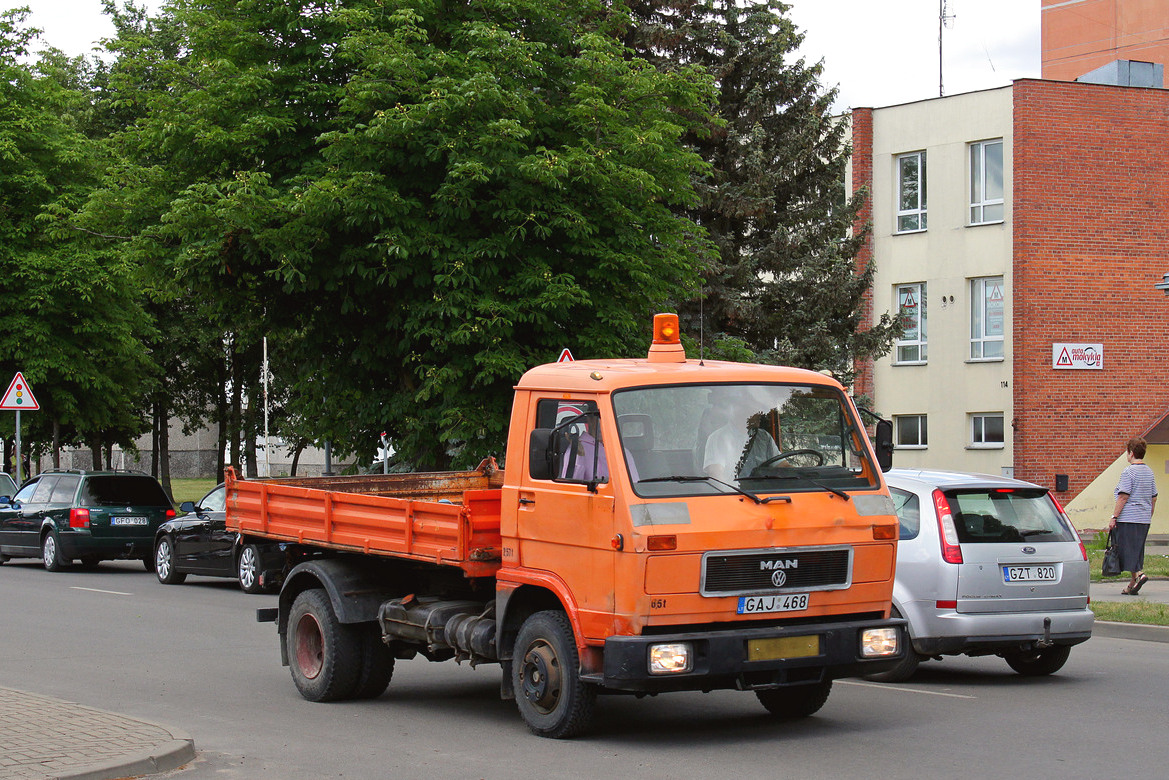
56,444
162,449
296,458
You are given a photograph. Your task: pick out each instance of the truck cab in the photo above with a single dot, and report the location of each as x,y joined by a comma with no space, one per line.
707,524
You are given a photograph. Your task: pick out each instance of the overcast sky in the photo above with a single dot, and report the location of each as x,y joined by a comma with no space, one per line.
879,52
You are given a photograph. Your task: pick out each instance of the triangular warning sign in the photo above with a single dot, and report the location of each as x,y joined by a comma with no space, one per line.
909,302
19,397
565,356
1065,359
996,294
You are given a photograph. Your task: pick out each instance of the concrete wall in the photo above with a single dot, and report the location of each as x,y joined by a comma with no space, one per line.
945,256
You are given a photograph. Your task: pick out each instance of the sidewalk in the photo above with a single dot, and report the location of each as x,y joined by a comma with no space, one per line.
43,738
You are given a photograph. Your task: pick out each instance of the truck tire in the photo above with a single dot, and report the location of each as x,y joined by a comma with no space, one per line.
796,701
551,697
377,664
323,653
1037,663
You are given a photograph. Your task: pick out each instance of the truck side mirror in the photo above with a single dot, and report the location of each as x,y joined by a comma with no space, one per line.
884,444
540,454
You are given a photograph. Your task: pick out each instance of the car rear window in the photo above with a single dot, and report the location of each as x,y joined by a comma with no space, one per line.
991,515
124,491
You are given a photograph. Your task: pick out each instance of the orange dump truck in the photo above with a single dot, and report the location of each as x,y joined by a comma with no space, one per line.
661,524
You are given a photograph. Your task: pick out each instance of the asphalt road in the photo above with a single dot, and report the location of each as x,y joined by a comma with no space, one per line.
192,656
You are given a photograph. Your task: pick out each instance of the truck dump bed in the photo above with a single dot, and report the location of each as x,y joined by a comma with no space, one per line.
449,517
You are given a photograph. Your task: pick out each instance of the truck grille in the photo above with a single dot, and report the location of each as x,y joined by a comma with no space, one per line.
775,571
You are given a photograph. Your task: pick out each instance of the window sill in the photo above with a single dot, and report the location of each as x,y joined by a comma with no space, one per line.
911,447
911,362
986,446
910,232
983,224
986,360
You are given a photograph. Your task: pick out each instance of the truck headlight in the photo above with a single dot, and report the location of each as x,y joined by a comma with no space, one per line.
880,642
674,658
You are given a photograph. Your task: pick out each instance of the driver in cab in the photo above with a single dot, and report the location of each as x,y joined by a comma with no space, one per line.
739,443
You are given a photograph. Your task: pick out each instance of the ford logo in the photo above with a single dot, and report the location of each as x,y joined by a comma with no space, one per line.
778,578
1028,550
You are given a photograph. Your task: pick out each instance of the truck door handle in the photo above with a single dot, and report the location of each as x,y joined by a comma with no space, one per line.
527,500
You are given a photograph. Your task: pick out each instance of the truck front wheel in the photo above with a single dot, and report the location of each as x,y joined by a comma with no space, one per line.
325,655
797,701
551,697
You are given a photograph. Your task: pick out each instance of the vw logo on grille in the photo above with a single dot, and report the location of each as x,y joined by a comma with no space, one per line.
778,578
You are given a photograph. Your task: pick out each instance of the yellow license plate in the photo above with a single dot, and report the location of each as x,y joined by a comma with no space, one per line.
783,647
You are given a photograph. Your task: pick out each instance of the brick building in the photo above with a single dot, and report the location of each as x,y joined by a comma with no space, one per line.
1012,226
1080,36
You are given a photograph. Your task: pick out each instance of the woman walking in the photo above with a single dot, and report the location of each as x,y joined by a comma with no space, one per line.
1136,497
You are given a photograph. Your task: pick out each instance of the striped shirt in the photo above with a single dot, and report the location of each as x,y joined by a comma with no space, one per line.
1137,481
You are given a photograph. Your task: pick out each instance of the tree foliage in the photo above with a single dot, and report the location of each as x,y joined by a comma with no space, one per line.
785,282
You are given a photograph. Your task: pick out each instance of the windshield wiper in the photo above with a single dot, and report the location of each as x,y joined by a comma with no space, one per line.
817,483
707,478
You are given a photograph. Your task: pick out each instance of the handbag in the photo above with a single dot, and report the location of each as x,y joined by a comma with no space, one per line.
1111,565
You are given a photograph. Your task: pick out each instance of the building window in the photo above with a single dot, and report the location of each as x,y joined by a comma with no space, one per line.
911,430
986,182
911,192
986,430
911,347
987,316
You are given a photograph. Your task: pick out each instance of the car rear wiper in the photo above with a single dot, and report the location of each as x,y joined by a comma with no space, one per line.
707,478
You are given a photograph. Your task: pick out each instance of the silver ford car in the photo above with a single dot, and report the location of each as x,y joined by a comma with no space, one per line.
986,565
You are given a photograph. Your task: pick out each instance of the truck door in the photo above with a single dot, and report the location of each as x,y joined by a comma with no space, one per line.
565,524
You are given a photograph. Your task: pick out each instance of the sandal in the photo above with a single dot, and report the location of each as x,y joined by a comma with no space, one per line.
1127,591
1141,580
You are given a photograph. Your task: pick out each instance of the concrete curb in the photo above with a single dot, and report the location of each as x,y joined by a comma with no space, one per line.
1131,631
163,758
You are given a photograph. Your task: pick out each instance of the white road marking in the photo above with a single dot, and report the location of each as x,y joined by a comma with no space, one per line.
96,590
907,690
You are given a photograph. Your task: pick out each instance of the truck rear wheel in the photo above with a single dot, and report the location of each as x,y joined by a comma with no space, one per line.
324,654
797,701
377,664
551,697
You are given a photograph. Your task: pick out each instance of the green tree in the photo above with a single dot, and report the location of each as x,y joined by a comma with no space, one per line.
419,198
505,186
72,322
786,282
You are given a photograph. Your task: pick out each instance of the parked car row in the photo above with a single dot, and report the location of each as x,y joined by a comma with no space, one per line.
62,516
985,565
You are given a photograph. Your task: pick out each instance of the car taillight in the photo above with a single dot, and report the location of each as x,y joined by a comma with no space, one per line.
1064,515
79,518
170,513
948,534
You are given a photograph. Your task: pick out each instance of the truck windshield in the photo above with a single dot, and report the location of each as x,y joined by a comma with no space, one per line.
760,438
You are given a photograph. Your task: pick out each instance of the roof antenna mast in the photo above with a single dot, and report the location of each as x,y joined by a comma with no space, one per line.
944,20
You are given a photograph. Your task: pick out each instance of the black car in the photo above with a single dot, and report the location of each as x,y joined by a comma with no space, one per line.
66,514
200,543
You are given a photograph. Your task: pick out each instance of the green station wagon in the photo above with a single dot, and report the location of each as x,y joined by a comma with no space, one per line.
63,515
